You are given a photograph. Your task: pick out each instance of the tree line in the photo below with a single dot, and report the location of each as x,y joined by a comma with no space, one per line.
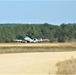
55,33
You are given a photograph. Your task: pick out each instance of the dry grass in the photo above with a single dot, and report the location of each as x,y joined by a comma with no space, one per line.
67,67
34,63
38,44
36,47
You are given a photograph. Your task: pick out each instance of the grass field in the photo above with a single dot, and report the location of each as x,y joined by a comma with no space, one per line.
36,47
35,58
38,44
67,67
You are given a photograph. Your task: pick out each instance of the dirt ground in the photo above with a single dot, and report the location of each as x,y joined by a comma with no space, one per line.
32,63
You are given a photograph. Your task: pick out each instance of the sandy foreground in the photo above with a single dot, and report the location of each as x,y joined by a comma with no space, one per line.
32,63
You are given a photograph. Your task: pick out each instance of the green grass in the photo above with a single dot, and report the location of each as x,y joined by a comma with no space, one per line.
35,49
67,67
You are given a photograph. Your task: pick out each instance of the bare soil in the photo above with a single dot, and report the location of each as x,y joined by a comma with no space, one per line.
32,63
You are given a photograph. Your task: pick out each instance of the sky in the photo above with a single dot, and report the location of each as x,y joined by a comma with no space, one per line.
38,11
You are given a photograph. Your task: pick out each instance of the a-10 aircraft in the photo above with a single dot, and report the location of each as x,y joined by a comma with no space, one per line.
28,39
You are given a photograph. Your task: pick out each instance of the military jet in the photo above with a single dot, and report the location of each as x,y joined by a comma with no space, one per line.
17,40
30,40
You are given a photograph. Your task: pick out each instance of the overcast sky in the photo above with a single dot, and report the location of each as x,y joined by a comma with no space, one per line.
38,11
